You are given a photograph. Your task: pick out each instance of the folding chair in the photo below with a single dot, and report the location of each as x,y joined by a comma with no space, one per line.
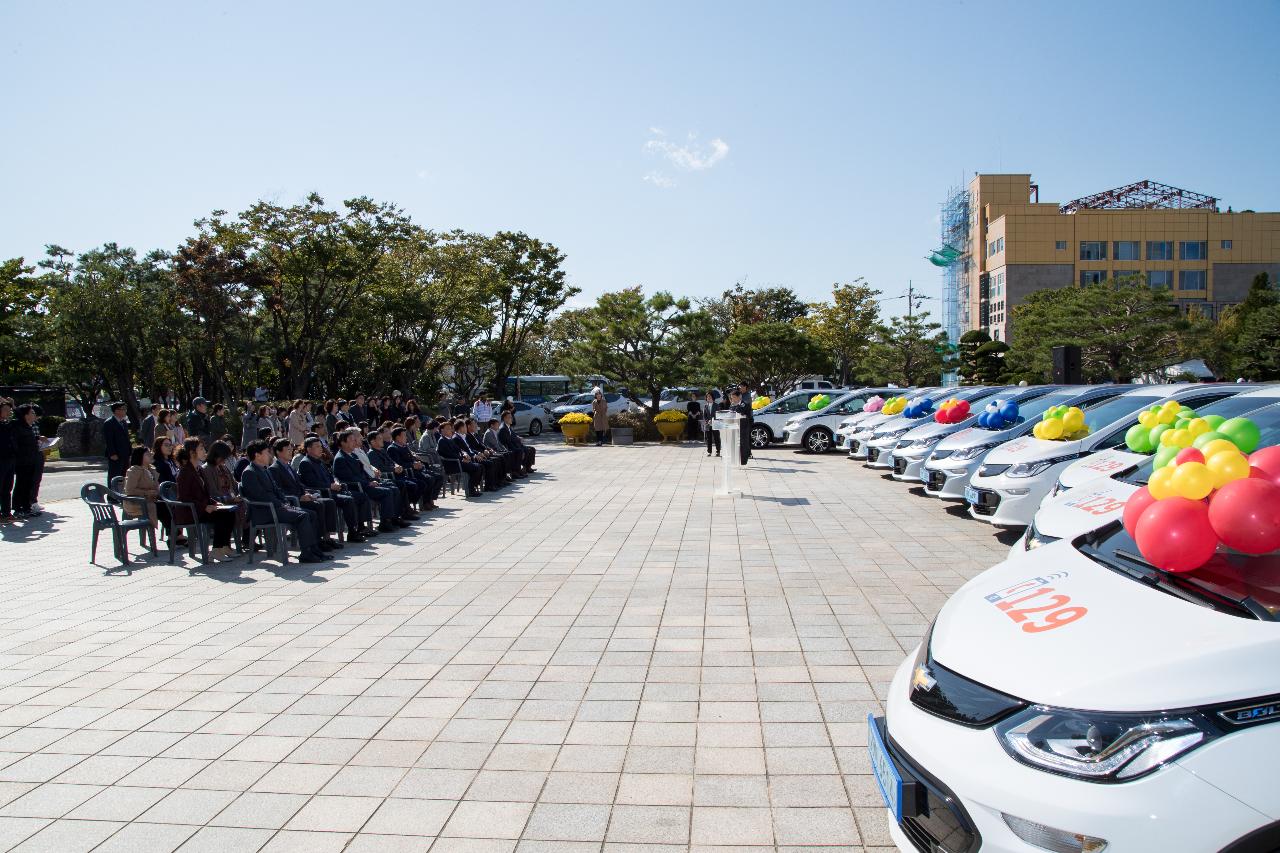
196,530
102,507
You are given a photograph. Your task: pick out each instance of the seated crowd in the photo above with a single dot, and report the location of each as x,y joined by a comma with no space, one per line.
310,472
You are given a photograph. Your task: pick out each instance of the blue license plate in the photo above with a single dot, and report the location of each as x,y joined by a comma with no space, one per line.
971,494
888,779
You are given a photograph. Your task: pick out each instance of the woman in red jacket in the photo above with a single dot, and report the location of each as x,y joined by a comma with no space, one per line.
193,489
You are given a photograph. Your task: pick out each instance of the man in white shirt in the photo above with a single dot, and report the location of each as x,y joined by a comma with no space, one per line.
482,410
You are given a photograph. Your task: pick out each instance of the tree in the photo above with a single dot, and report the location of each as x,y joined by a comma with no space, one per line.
846,326
549,351
773,354
23,318
643,344
739,306
981,360
527,287
907,351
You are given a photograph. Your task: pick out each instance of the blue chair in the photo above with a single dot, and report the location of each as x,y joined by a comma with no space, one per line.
102,506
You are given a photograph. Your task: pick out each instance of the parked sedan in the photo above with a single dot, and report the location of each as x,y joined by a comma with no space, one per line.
529,419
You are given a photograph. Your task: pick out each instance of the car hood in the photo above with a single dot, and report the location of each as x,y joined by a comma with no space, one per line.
1028,448
971,435
564,410
1104,463
1082,510
871,423
1133,649
932,428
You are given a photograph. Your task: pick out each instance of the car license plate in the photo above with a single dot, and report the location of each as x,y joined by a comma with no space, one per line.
888,779
970,494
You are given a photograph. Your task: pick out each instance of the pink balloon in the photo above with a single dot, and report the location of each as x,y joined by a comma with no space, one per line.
1188,454
1266,464
1174,534
1135,507
1245,515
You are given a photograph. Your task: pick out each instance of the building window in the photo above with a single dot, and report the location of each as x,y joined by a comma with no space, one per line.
1192,250
1192,279
1093,250
1092,277
1160,279
1060,245
1128,250
999,245
1226,244
991,248
995,334
1159,250
1124,273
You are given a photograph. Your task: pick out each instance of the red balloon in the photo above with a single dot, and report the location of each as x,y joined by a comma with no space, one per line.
962,410
1174,534
1245,514
1188,454
1135,507
1266,464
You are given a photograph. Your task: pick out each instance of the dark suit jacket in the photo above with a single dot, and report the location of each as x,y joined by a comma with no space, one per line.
474,445
380,460
315,475
402,456
348,470
241,464
286,478
358,413
116,436
147,432
256,484
509,439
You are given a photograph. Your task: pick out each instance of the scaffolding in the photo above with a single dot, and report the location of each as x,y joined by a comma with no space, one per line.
1143,195
953,257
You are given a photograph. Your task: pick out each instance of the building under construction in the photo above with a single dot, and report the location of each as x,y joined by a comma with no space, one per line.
1000,243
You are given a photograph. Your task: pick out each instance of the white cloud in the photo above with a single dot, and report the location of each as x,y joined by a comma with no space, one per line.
659,180
690,156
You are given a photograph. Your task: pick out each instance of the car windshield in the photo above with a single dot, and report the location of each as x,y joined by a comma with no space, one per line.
581,400
1267,420
1104,413
1238,584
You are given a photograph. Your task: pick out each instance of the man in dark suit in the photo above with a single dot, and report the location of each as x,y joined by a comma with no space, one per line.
325,512
257,486
348,470
744,425
387,467
507,435
115,435
706,415
358,411
494,469
316,475
429,482
745,391
455,457
198,421
147,432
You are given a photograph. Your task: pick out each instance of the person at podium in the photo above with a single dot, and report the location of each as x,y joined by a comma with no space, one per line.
707,414
743,408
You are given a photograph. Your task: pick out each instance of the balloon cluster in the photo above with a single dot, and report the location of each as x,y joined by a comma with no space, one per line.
819,401
921,408
760,402
894,406
874,404
1062,423
1189,431
1202,500
999,415
953,411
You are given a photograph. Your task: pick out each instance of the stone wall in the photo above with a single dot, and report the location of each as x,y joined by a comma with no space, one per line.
81,437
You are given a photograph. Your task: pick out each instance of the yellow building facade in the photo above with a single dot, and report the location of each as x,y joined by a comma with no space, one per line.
1017,245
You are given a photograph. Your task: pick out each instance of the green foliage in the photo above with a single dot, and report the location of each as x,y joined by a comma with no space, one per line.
740,306
49,424
640,423
646,344
23,300
907,351
769,354
1123,327
1258,345
981,360
847,326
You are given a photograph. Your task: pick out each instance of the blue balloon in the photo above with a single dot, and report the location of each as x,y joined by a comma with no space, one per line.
984,420
993,406
1009,411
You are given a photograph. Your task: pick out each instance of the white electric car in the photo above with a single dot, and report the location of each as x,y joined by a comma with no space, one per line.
883,442
1075,698
1108,463
768,421
914,447
858,438
815,431
1015,477
848,426
955,459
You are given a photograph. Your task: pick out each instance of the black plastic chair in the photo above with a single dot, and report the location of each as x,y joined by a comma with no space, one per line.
196,530
103,508
278,531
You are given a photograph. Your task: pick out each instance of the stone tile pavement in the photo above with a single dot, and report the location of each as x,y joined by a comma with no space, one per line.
602,658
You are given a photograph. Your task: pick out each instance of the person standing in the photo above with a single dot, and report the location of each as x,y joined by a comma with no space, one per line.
115,437
8,459
26,453
744,429
706,416
745,391
599,416
693,409
482,410
147,431
297,422
198,421
217,422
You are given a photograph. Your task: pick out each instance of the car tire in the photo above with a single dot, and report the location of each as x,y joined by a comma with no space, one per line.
761,436
535,427
818,440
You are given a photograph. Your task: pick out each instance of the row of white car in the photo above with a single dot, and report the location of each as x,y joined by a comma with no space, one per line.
1073,697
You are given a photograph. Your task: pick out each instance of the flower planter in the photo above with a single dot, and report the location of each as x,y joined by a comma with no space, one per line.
575,432
671,430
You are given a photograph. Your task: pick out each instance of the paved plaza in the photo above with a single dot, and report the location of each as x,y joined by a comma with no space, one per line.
602,657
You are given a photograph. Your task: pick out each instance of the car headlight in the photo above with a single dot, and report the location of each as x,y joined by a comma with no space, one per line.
1032,469
925,442
964,454
1098,746
1034,538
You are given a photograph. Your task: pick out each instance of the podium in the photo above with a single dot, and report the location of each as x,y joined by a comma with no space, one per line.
728,423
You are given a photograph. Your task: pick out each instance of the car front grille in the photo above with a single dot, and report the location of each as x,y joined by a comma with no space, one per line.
899,465
873,453
988,502
942,825
937,480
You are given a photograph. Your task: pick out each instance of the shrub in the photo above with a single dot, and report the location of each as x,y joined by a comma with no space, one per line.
49,425
640,424
576,418
673,415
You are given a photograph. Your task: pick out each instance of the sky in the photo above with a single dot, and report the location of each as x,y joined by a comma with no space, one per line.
678,146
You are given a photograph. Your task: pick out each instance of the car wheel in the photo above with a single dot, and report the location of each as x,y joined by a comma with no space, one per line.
535,427
818,440
761,436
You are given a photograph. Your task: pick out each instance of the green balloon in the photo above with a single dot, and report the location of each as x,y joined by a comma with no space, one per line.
1157,431
1215,421
1138,439
1202,440
1187,413
1242,432
1165,456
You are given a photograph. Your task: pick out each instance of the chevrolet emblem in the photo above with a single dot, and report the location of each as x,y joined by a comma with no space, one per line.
922,679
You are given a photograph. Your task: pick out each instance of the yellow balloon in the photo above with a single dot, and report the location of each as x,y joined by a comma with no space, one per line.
1225,467
1191,480
1198,427
1166,417
1052,429
1176,438
1218,445
1171,406
1148,419
1160,483
1072,420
